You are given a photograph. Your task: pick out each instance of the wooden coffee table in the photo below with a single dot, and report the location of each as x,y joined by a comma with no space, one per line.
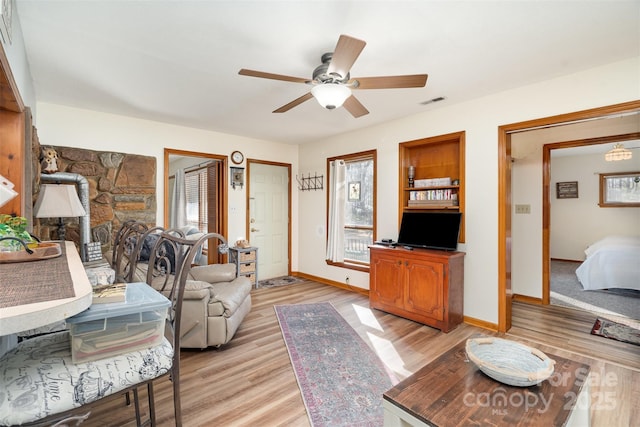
451,391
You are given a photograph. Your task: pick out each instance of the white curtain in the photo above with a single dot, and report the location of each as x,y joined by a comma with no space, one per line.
337,200
178,216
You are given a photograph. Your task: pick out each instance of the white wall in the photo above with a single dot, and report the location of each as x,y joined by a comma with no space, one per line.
71,127
17,57
577,223
480,118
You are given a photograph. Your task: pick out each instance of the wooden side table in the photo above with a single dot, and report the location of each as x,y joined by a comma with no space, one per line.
452,391
246,261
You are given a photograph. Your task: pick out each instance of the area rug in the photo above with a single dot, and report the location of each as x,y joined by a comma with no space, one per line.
279,281
616,331
341,379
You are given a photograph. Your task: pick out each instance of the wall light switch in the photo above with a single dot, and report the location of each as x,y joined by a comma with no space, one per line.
523,209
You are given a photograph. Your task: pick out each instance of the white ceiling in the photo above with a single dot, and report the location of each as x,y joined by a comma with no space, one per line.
177,61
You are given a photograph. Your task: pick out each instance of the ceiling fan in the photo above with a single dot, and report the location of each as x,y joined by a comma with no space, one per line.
332,82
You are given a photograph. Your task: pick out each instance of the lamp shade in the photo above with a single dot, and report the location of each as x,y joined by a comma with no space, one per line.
618,152
58,201
331,95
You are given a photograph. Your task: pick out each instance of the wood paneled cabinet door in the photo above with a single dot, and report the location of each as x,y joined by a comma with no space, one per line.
422,285
424,289
387,278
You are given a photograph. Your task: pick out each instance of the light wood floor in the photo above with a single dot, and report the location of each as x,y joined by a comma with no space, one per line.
250,382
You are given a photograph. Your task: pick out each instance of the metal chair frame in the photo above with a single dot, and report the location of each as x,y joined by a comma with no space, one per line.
184,252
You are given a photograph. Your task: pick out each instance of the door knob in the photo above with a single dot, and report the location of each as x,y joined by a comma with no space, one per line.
253,230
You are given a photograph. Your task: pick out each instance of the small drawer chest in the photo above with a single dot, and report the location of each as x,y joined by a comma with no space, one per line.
246,261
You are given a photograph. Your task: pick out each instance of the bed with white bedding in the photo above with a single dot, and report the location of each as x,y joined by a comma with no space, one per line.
613,262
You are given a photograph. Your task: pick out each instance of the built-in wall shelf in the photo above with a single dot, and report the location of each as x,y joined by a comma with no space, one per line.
439,162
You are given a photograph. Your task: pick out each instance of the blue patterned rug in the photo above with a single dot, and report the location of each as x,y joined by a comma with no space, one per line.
341,379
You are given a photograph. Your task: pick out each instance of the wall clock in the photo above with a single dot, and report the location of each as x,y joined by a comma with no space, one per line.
237,157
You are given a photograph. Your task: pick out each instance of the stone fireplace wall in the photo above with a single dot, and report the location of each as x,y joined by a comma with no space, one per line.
121,187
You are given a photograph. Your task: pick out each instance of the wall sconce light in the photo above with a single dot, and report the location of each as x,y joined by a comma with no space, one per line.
58,201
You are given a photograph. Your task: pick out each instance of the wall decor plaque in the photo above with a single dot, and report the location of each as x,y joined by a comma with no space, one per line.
567,190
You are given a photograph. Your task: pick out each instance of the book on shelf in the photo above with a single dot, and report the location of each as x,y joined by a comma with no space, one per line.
442,194
103,294
451,202
432,182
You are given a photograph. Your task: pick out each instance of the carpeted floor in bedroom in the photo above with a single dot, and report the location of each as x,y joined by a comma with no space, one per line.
567,291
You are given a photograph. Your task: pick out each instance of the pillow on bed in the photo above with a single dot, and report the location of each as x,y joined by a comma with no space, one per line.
612,241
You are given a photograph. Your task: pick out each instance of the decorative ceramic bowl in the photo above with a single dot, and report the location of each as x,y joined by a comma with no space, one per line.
509,362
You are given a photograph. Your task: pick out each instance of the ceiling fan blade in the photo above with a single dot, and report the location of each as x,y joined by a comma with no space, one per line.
390,82
345,54
262,74
354,106
294,103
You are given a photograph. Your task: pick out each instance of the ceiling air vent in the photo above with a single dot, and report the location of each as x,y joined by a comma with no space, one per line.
430,101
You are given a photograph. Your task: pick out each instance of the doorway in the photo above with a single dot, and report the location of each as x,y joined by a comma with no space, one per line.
269,216
560,285
505,293
205,183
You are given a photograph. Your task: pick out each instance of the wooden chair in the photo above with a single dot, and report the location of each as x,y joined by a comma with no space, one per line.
41,385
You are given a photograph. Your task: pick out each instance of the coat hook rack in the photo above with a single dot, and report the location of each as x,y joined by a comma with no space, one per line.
309,182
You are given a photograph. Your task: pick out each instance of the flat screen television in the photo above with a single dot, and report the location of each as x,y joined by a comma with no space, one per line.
432,230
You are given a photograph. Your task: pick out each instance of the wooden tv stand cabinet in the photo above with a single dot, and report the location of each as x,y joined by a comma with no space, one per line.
423,285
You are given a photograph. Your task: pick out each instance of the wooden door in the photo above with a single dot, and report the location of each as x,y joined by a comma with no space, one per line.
269,217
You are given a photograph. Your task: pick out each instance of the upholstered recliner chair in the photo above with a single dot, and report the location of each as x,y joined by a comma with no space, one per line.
216,301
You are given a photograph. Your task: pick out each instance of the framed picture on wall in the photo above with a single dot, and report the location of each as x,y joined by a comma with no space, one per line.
354,191
567,190
237,177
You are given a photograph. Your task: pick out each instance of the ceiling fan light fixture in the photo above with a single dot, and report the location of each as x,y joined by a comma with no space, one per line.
618,152
331,95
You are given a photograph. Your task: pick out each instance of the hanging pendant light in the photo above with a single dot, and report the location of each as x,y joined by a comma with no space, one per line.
618,152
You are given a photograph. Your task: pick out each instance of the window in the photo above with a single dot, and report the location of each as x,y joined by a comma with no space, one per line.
620,189
196,195
351,198
201,197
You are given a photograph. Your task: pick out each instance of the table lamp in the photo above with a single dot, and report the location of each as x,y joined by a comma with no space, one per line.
58,201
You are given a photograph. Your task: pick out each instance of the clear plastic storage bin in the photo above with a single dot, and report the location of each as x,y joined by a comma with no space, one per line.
105,330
